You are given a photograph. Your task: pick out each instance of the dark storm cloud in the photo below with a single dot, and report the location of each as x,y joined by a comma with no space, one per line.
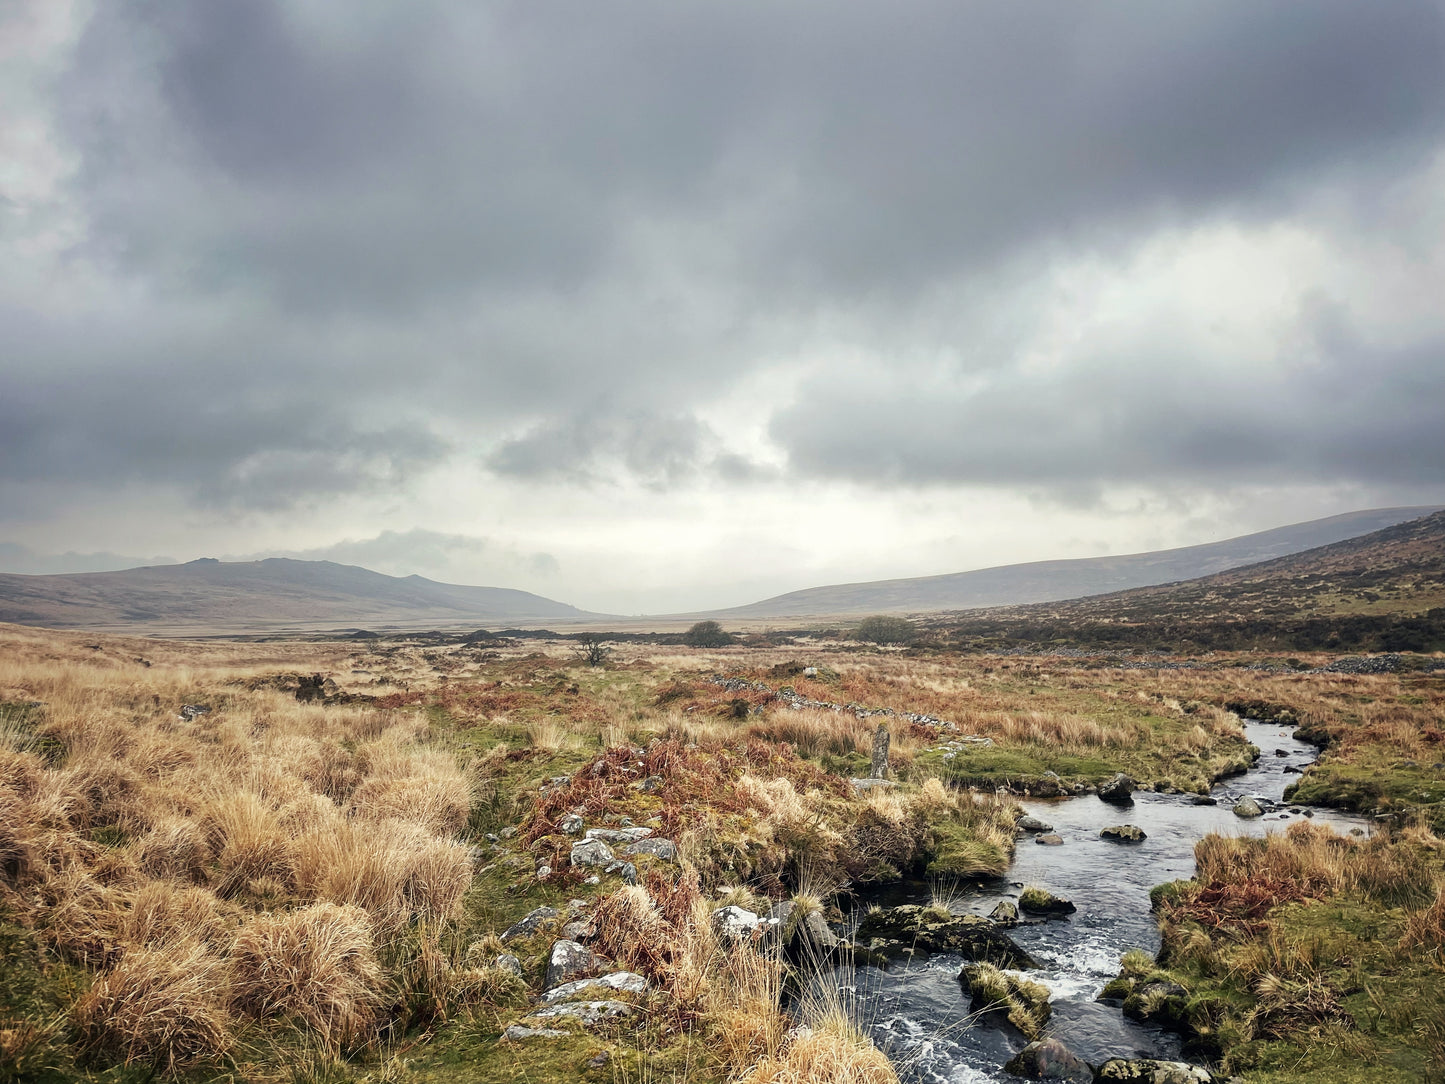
230,423
657,450
1350,411
356,230
382,159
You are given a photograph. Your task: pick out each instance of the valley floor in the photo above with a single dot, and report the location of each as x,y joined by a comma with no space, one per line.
354,860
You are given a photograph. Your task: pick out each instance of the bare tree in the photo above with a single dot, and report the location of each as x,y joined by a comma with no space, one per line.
592,649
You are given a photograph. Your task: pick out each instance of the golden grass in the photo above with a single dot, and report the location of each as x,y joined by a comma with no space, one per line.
830,1050
237,864
162,1006
317,965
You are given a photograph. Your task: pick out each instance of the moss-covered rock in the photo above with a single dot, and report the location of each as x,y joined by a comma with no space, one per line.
911,929
1039,901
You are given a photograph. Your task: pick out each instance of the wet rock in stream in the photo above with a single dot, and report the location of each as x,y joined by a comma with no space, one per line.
1049,1059
911,930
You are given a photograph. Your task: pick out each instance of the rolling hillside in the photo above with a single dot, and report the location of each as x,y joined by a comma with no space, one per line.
209,596
1381,591
1047,581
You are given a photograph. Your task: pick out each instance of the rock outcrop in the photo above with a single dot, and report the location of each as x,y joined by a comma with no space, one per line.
911,930
1038,901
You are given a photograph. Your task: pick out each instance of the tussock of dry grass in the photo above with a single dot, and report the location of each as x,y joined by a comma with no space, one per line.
831,1051
160,1006
1425,928
233,864
317,964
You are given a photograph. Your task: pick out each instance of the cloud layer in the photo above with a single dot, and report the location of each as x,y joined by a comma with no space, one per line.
323,270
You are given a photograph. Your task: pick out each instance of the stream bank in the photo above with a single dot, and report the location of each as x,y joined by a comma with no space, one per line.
918,1012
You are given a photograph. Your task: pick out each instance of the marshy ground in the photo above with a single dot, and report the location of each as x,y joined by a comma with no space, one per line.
309,881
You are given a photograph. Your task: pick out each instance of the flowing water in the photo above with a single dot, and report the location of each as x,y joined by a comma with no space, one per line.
917,1012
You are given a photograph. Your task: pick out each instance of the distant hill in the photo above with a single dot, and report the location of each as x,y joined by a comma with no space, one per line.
1383,591
1049,581
210,596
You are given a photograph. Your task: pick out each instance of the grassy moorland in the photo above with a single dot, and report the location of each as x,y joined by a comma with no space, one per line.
310,881
1383,591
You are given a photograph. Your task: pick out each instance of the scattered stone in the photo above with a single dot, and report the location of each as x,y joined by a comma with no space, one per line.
658,848
626,870
591,852
593,880
543,872
1005,914
598,1060
569,961
869,784
619,835
1247,807
1152,1071
623,982
575,931
1038,901
1033,824
820,937
734,923
1124,833
507,962
650,784
1118,791
530,924
810,671
509,832
1049,1059
570,825
1049,839
587,1012
190,712
516,1033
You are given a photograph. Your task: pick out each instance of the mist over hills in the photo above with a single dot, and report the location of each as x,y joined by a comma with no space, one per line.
280,594
1050,581
274,594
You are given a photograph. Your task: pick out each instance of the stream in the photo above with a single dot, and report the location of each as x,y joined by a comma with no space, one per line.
917,1012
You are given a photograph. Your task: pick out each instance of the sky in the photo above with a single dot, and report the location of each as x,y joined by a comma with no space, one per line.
654,307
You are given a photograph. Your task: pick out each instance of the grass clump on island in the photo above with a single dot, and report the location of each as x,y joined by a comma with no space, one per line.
1307,954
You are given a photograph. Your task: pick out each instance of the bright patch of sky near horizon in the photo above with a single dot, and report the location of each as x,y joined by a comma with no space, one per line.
658,308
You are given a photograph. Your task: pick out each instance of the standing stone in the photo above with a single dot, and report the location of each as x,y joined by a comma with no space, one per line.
881,738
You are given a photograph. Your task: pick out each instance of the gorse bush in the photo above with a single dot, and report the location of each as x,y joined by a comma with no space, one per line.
883,629
707,634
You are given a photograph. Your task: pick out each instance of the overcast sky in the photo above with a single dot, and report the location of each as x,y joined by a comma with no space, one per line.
659,306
